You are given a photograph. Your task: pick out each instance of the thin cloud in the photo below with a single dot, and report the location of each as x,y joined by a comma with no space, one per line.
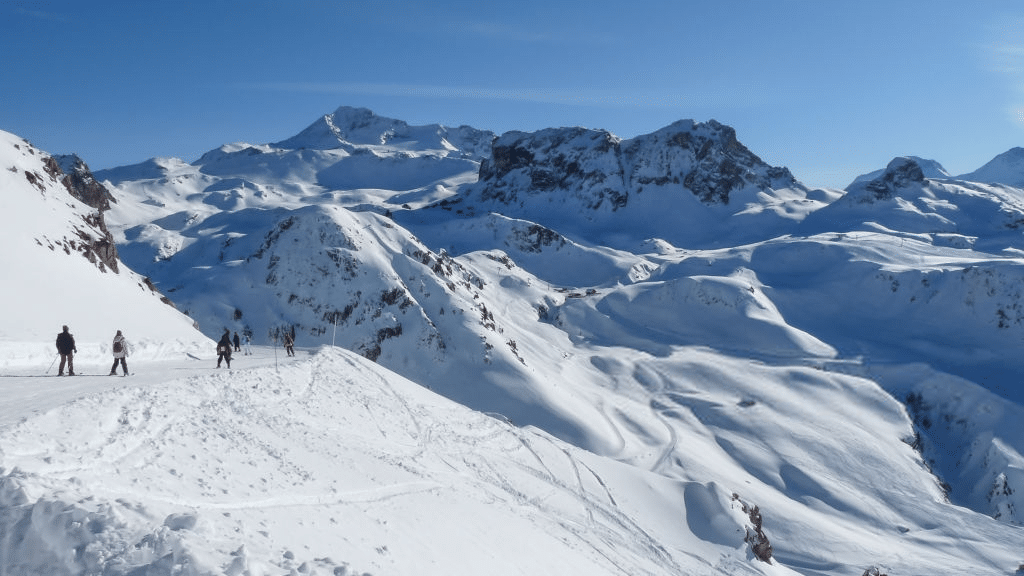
505,32
582,97
22,9
1005,56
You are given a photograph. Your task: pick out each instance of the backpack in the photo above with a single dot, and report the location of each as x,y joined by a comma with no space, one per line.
117,346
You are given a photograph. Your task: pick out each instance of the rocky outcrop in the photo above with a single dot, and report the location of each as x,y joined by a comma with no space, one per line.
704,158
584,164
81,183
95,242
602,172
900,173
689,183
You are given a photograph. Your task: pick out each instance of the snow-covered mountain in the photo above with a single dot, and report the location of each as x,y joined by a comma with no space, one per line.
929,169
1006,168
63,267
690,183
687,331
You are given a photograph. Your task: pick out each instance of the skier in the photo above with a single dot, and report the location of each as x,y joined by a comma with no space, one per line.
289,342
120,350
224,348
67,349
238,343
248,345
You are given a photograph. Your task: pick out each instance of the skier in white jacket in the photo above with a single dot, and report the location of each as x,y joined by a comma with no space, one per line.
120,349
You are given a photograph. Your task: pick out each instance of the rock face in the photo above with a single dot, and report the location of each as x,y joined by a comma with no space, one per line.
603,172
88,231
685,183
929,169
81,183
704,158
585,164
900,173
75,175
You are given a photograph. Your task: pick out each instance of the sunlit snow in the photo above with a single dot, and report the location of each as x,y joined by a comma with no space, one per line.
498,394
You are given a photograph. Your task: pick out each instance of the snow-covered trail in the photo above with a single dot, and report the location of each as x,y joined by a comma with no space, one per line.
32,388
326,464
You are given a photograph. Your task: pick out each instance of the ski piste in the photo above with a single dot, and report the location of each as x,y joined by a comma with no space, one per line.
43,375
58,375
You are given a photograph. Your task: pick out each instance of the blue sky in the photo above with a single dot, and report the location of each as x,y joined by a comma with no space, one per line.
829,88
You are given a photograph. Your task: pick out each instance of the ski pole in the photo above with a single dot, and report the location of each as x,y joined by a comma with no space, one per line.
51,364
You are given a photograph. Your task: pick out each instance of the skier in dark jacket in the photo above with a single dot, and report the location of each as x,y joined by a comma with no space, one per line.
67,349
238,343
224,349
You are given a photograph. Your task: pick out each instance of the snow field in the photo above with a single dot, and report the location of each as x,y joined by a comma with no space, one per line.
262,470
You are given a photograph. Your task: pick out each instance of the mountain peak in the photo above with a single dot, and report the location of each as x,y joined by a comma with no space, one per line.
901,172
1006,168
929,169
346,125
672,183
349,127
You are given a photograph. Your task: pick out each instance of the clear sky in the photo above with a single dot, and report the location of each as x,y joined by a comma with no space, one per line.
829,88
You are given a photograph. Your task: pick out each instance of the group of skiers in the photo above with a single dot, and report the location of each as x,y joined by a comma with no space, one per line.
67,349
227,344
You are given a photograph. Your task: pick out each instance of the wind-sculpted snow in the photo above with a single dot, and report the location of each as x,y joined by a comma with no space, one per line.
401,173
331,465
866,294
970,436
543,252
724,313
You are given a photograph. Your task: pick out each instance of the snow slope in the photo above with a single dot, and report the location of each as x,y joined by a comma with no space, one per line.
55,278
329,464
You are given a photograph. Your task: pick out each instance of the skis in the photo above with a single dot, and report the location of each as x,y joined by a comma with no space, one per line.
41,375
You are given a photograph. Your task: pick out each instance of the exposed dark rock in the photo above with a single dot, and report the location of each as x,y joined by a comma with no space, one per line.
73,173
79,181
601,171
900,173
